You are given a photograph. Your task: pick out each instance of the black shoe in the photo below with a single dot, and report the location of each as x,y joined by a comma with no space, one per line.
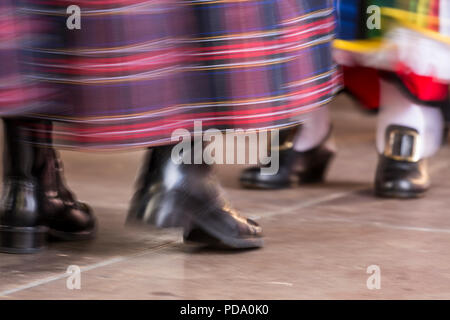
155,200
400,174
189,196
65,216
21,229
35,202
295,167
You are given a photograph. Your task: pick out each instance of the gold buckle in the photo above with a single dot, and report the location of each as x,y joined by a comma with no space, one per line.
390,145
285,146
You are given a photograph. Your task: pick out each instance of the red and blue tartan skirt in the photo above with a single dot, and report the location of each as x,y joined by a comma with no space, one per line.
137,70
18,94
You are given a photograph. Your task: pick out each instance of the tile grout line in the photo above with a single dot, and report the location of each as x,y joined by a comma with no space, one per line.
382,225
310,203
100,264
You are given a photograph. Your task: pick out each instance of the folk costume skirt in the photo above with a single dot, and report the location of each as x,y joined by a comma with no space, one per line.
412,44
137,70
18,94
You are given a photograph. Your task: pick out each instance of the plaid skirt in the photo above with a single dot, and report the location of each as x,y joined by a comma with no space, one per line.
137,70
17,93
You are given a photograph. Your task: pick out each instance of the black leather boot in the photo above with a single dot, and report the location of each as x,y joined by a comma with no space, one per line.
155,200
35,201
189,196
295,167
400,172
22,229
66,217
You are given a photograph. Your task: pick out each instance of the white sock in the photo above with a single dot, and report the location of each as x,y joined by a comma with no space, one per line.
398,109
313,131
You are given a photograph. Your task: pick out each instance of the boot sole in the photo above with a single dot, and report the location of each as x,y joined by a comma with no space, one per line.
73,236
264,186
400,194
205,235
267,186
23,240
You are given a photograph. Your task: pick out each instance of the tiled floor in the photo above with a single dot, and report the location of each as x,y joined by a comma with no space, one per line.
319,239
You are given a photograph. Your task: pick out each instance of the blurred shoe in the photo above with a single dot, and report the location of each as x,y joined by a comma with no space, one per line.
295,167
400,172
35,201
66,217
155,200
189,196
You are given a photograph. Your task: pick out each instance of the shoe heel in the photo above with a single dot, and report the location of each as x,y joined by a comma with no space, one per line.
316,173
23,239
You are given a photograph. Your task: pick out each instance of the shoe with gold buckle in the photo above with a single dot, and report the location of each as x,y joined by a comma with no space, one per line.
400,172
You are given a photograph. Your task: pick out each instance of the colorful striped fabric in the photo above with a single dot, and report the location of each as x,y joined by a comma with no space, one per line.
17,93
423,14
139,69
350,19
413,39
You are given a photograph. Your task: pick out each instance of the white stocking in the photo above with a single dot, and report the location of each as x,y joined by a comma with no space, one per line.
398,109
313,131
